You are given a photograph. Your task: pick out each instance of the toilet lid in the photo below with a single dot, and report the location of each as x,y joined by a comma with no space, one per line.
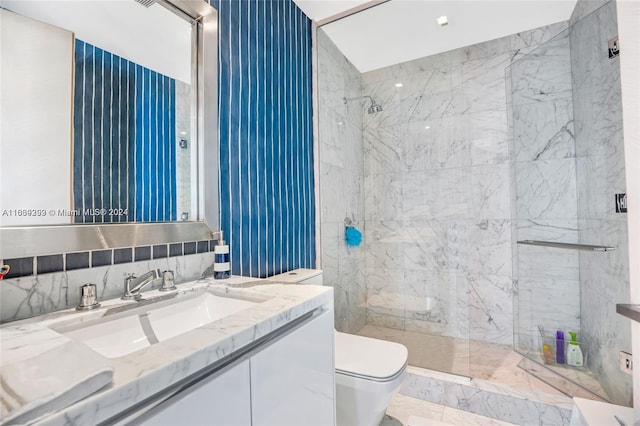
366,357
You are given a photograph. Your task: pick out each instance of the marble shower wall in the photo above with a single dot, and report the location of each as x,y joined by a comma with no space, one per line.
543,149
438,194
604,277
341,182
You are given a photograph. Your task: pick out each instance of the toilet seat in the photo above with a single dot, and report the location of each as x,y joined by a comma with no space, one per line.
369,359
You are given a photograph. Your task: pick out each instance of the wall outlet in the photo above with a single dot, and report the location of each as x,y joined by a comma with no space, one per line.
626,362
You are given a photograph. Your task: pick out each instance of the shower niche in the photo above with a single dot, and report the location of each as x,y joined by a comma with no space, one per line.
570,255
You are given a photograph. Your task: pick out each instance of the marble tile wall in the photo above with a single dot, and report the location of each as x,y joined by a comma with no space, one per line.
544,166
584,8
604,277
437,191
341,182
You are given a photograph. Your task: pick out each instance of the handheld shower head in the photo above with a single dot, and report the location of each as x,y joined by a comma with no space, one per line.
372,109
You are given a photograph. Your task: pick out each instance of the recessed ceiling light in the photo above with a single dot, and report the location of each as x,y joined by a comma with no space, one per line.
398,84
340,123
427,127
443,21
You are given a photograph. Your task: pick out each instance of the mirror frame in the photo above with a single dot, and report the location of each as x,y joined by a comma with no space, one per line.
23,241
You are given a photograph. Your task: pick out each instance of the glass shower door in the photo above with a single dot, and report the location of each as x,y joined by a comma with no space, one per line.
570,246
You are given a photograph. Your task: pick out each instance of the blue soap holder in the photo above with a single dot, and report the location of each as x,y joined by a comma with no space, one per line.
352,236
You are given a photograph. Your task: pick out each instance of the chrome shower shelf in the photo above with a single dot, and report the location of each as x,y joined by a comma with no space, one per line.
570,246
629,311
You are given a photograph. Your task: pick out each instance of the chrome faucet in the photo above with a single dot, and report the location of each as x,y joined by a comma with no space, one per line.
138,284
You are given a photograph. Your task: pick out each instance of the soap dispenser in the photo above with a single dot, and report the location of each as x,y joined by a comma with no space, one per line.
222,261
574,353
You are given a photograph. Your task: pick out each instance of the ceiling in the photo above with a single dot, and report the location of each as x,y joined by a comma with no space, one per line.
318,10
402,30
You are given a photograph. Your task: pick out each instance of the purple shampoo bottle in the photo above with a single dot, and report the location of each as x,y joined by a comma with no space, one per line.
559,347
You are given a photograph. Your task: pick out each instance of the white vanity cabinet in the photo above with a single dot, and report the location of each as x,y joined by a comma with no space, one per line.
221,399
287,380
293,378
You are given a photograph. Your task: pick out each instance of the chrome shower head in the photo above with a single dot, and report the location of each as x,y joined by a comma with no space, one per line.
372,109
146,3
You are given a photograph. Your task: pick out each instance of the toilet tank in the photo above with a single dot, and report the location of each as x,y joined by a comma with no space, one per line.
300,276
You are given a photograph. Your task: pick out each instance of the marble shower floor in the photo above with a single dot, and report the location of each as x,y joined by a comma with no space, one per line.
474,359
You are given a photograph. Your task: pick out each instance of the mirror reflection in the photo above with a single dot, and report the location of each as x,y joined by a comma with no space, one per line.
96,121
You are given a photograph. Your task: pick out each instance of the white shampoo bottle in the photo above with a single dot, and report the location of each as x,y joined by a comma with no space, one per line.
574,353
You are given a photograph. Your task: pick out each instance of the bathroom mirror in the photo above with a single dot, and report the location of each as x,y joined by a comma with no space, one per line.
162,55
100,107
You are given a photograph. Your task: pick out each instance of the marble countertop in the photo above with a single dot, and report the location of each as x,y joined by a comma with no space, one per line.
124,381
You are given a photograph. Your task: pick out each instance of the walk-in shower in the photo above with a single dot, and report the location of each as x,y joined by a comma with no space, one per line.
372,109
512,139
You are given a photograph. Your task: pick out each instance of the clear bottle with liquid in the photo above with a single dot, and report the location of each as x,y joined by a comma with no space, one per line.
547,353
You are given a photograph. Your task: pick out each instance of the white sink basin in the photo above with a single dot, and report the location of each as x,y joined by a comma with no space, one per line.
177,318
112,338
125,332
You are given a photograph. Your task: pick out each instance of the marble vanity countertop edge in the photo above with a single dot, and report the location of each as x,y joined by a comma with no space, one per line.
144,373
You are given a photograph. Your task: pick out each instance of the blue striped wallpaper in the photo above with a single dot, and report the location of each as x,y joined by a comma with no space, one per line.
266,138
124,157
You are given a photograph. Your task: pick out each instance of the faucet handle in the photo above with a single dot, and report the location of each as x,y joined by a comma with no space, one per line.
127,287
168,281
88,298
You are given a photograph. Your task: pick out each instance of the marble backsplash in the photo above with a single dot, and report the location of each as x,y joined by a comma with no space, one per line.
34,295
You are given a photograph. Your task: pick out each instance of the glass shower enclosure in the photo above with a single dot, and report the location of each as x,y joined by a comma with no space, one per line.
570,256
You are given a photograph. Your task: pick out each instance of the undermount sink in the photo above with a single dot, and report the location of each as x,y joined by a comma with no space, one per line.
132,329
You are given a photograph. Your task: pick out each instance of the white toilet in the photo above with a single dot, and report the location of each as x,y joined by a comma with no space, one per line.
368,371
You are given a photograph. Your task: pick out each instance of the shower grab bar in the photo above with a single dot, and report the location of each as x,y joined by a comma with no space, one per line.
570,246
